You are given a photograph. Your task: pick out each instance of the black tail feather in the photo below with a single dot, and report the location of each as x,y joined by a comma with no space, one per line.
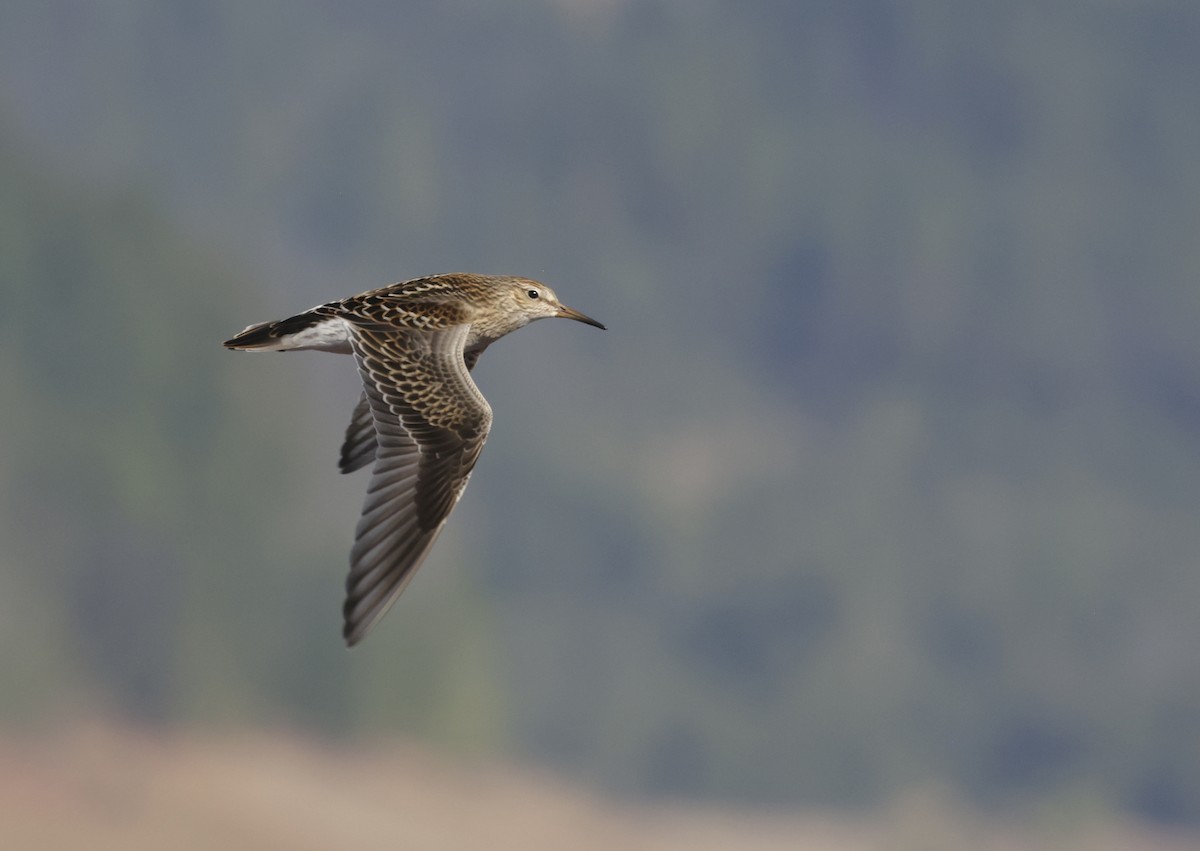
266,335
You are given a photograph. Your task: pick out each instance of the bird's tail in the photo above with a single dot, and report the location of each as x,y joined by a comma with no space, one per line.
308,330
258,336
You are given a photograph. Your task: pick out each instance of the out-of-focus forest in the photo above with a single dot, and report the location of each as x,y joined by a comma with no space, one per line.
885,476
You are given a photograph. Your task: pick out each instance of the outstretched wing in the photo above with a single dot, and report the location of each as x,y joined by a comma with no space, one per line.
358,447
430,423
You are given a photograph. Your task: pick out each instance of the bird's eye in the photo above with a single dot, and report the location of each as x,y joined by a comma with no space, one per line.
532,293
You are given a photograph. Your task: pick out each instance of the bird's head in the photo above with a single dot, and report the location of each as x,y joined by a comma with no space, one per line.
534,300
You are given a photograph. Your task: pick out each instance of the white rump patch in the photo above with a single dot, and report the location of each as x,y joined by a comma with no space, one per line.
329,335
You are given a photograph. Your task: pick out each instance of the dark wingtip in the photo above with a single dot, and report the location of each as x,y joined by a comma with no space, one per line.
354,629
350,633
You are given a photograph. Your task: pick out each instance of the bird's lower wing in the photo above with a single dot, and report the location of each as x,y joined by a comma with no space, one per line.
430,423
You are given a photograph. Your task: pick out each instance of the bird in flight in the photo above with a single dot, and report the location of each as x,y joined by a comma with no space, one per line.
420,420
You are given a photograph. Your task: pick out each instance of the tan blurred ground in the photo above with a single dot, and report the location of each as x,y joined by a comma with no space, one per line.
100,787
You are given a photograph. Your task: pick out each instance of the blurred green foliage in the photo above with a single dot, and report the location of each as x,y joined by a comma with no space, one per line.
887,473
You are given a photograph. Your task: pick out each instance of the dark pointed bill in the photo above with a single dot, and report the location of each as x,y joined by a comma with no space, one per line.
569,313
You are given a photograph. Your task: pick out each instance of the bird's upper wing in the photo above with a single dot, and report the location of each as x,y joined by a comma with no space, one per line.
430,423
359,445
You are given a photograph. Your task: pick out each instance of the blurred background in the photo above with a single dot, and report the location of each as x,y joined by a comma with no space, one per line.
873,521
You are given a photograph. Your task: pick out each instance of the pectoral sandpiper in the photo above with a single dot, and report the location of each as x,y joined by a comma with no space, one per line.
421,419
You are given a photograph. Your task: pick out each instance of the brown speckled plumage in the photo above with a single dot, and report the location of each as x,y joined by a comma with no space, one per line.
421,420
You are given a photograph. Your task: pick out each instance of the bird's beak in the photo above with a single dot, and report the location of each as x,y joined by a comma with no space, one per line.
568,313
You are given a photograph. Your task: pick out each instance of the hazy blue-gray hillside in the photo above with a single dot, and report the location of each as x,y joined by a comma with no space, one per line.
887,472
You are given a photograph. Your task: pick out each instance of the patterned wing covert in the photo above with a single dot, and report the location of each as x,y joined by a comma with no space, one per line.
430,423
